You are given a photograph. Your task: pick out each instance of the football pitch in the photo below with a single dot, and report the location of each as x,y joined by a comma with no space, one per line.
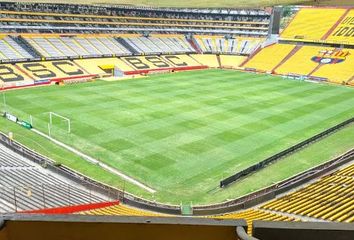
182,133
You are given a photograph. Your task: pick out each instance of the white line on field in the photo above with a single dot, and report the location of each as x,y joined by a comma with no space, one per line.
96,162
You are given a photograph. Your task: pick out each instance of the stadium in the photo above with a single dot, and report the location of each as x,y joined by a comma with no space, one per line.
185,119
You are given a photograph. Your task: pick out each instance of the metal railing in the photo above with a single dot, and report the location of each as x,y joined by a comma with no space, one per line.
227,181
130,199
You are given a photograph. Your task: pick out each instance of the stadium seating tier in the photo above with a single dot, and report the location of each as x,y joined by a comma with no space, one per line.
300,62
312,23
207,59
269,57
344,32
332,64
26,186
229,61
330,198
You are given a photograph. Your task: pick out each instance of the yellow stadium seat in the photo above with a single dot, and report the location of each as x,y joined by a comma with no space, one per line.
206,59
93,65
269,57
120,210
231,61
344,32
300,62
312,23
11,76
330,198
52,69
338,72
159,62
255,214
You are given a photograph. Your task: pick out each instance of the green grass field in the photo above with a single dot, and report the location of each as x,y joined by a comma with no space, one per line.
182,133
206,3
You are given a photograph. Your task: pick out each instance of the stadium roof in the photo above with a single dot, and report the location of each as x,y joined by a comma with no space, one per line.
201,3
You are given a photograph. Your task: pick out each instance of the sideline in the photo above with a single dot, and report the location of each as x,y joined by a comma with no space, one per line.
96,162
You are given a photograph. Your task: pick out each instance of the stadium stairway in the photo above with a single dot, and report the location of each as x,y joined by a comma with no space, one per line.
193,43
269,57
342,31
300,62
351,81
126,45
219,60
287,57
249,215
21,42
336,24
342,72
320,64
317,62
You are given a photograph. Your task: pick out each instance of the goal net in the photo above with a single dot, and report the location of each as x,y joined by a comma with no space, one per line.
53,115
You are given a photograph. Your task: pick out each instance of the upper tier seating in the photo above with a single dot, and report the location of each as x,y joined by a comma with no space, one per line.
312,23
75,18
24,186
227,46
344,32
11,50
330,198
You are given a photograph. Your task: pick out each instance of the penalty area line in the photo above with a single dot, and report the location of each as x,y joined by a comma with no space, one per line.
96,162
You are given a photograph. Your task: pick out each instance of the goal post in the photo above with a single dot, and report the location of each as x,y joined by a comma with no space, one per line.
53,114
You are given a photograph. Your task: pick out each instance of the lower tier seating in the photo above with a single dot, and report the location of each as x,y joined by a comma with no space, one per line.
255,214
29,73
229,61
25,186
269,57
330,198
300,62
341,72
249,215
333,64
207,59
120,210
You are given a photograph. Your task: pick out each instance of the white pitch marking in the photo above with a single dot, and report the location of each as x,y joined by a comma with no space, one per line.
96,162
